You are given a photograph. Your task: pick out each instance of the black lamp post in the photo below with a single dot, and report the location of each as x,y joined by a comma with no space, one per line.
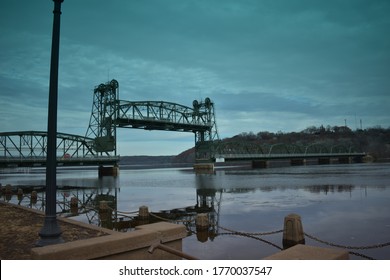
51,232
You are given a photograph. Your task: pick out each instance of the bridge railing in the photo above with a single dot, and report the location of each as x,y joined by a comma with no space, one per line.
248,150
285,156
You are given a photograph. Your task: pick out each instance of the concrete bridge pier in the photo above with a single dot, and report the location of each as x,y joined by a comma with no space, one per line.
108,170
204,167
298,161
260,164
323,160
345,160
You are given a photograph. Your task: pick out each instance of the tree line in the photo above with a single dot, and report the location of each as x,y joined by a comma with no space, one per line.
375,141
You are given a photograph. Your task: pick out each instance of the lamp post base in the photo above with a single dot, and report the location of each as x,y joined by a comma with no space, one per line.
50,233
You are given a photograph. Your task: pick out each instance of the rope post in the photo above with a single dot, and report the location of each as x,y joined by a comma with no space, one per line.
34,197
105,214
74,205
20,194
143,212
8,192
293,231
202,226
202,222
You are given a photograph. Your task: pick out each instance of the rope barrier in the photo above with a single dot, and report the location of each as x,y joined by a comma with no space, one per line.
170,220
124,212
253,234
361,255
253,237
348,247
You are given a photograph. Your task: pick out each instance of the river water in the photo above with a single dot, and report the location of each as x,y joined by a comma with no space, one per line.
343,204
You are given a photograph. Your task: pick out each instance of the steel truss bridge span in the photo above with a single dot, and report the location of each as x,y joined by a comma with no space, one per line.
160,115
241,150
28,148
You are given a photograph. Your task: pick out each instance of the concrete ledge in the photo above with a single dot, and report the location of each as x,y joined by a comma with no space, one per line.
304,252
167,231
131,245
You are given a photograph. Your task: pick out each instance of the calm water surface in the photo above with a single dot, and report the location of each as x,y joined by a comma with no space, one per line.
341,204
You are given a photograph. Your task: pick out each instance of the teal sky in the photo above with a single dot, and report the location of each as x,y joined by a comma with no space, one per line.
267,65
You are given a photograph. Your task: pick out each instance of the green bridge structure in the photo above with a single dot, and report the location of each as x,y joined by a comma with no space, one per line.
99,145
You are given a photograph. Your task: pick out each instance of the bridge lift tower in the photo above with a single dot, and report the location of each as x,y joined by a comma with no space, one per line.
101,124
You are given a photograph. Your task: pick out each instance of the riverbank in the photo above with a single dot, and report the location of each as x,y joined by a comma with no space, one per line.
20,227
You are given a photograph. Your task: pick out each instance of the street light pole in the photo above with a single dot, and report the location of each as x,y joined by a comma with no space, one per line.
51,232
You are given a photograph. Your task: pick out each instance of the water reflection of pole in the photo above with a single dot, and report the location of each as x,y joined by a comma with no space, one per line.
51,232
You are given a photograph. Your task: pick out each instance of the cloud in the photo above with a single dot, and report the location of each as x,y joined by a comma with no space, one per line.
267,65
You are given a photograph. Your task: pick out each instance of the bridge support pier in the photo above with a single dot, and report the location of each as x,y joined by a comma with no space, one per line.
206,167
260,164
108,171
345,160
323,160
298,161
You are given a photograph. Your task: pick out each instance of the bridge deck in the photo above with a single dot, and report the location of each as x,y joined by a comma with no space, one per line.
228,157
153,124
39,161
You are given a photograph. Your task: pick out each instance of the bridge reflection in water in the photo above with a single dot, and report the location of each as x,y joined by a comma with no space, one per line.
98,206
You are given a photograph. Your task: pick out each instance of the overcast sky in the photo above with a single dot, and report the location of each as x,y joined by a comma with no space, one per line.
267,65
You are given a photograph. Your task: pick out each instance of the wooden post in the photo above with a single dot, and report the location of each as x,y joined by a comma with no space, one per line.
293,231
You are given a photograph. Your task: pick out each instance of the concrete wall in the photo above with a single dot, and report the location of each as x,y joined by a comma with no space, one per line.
130,245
